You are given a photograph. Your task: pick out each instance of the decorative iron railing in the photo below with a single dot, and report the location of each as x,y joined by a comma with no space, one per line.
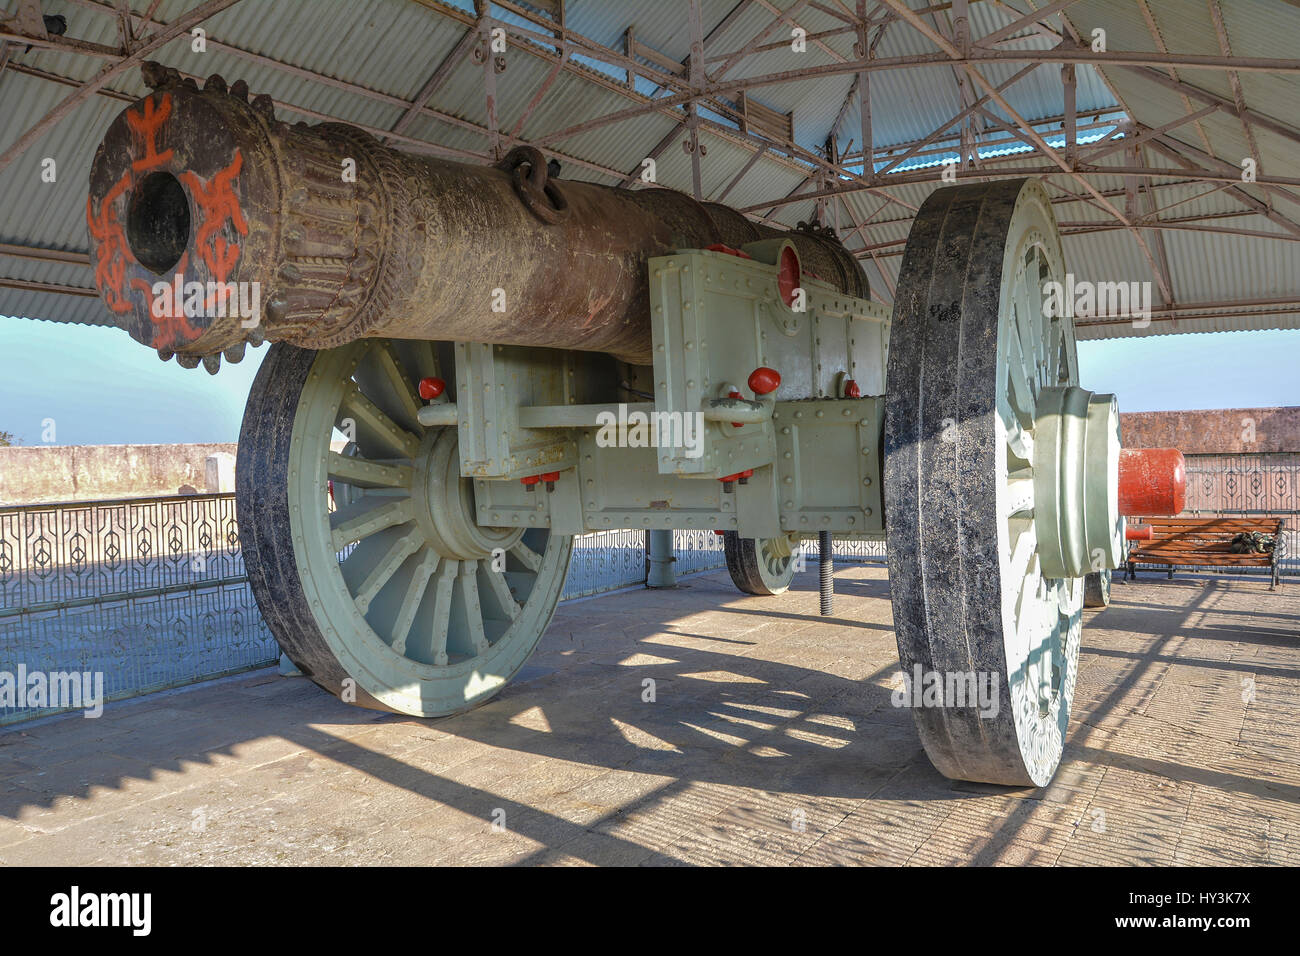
1253,484
152,593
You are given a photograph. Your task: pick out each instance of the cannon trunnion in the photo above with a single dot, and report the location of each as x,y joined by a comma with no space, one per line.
472,365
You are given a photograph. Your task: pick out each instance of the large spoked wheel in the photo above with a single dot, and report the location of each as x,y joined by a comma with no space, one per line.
991,453
760,566
366,562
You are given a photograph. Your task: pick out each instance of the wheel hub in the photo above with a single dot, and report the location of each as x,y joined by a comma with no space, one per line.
1076,482
446,510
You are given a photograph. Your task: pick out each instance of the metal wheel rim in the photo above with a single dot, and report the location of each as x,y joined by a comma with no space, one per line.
775,564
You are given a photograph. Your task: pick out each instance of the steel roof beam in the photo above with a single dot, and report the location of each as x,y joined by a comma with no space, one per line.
735,57
182,25
1234,80
1226,106
989,171
1173,148
1025,22
1033,135
799,158
434,82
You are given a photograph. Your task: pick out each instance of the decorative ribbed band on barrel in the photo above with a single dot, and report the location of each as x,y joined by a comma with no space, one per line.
334,236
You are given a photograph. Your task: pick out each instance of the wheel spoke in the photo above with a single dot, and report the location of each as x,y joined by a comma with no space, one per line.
1024,324
415,590
361,473
1019,439
423,359
363,518
529,558
501,591
391,367
1022,396
1058,369
468,580
373,424
442,609
1020,497
1023,554
386,567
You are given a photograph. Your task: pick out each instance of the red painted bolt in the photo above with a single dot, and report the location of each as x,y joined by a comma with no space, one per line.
763,380
550,477
431,388
530,483
851,389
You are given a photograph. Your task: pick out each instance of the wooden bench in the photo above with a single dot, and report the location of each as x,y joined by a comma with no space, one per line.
1204,542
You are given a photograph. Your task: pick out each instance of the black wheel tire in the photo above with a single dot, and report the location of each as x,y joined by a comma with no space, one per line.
744,562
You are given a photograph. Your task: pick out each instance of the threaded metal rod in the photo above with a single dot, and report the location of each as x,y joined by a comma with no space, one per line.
826,560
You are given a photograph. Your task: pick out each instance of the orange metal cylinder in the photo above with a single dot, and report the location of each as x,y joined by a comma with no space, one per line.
1152,481
1139,532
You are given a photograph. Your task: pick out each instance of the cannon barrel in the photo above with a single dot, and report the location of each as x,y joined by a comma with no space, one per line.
201,196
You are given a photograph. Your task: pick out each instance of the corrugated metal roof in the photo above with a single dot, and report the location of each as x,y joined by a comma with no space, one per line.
381,53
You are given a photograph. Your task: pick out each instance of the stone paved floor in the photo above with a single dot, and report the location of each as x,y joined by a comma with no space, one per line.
771,741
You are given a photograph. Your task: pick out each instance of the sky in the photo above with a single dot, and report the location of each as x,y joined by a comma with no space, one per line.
100,387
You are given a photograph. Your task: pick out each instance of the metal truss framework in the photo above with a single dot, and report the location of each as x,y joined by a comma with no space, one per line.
685,91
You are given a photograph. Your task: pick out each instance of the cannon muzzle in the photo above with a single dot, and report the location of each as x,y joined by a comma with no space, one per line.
213,224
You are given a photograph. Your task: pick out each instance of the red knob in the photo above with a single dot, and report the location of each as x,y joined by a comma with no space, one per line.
551,476
530,480
851,389
763,380
431,388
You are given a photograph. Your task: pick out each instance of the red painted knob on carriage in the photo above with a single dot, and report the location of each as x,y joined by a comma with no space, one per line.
431,388
763,380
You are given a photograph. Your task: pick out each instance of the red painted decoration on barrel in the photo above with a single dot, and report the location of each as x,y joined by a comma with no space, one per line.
1152,481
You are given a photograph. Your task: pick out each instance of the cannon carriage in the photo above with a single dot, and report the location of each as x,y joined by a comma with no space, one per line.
471,365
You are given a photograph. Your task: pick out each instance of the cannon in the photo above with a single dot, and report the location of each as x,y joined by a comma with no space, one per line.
473,364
